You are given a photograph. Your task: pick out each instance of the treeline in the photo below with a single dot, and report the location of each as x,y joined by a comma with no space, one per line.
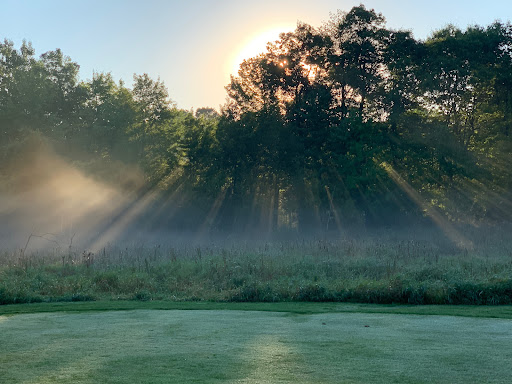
348,124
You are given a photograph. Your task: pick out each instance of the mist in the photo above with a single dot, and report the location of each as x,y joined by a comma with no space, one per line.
53,202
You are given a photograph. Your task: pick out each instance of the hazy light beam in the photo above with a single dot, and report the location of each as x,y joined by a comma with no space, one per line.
457,238
333,208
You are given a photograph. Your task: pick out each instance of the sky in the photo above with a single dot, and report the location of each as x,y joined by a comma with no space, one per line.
194,45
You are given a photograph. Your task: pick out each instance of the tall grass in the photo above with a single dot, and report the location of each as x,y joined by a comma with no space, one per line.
379,269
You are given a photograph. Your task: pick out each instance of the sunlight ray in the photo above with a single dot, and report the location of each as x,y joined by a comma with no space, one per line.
129,214
169,206
457,238
212,214
334,210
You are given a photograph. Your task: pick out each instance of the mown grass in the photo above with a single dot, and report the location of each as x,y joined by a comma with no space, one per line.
376,270
502,311
219,346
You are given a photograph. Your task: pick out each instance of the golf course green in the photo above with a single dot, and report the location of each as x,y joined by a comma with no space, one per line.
337,344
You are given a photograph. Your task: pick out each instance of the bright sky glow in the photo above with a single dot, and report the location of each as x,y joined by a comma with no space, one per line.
257,43
194,46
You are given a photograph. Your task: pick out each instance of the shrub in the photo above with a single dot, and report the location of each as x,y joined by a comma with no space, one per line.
18,297
255,292
142,295
107,282
313,292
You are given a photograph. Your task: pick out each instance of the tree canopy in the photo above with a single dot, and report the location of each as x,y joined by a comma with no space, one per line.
349,124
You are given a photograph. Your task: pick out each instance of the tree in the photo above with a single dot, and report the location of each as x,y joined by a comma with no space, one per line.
207,113
356,61
107,112
36,94
155,129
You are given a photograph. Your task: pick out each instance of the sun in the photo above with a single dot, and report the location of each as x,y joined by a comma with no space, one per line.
256,44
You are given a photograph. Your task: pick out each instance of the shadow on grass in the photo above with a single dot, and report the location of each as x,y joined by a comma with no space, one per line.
504,311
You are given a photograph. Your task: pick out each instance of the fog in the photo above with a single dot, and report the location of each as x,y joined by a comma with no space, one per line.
52,204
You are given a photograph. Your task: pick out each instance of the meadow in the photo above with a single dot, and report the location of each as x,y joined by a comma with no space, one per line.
383,268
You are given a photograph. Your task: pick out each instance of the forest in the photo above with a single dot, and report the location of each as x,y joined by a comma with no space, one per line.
340,127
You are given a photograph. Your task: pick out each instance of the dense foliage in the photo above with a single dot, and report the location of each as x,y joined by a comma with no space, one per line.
348,124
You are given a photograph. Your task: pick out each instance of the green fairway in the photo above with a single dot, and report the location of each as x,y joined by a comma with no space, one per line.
240,346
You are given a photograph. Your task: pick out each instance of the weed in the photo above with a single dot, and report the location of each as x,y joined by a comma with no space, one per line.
376,270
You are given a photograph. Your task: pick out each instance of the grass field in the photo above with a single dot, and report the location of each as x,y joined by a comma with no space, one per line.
282,312
421,268
254,343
